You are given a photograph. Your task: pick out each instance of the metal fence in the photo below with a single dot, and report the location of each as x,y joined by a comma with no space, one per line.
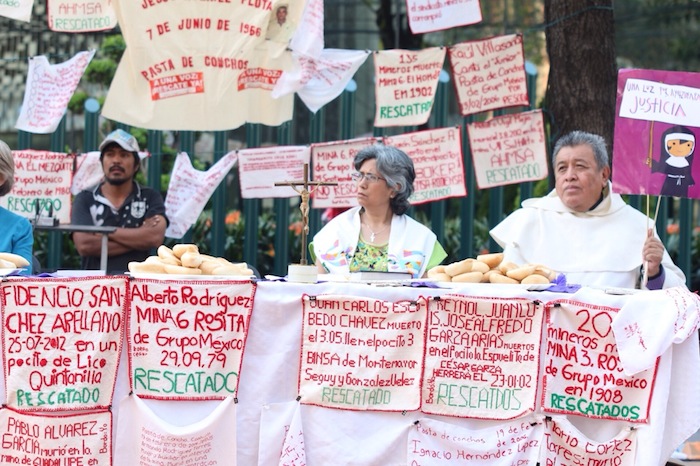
679,213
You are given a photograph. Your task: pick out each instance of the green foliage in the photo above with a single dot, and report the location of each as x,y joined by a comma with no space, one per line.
77,101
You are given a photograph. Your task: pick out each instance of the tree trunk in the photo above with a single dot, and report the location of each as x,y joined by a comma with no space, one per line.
583,74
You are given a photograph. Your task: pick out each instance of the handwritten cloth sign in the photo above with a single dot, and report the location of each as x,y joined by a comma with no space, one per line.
190,189
42,185
49,88
647,325
319,80
188,64
81,15
426,16
186,338
260,169
71,439
148,440
61,342
564,444
482,357
275,421
583,374
657,127
293,453
489,73
405,85
509,149
434,443
333,162
20,10
308,39
438,161
361,354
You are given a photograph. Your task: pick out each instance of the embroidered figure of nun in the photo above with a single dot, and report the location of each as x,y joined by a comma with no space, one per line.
677,148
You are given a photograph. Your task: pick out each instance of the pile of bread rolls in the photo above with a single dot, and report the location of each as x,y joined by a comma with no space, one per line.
185,259
490,268
9,260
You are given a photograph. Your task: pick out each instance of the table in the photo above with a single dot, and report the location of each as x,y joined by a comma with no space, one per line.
104,231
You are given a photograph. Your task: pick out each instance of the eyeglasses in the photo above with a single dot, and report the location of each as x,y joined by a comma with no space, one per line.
370,177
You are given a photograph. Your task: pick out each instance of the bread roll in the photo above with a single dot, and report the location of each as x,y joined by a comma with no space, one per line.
478,266
191,259
545,272
438,269
146,267
496,278
207,267
441,277
180,249
506,266
459,267
492,260
468,277
232,270
535,279
521,272
15,259
168,255
487,275
7,264
180,270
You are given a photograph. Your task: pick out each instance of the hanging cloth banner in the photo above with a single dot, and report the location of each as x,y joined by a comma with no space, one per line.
81,15
259,170
426,16
190,189
308,38
49,89
200,66
405,85
489,74
20,10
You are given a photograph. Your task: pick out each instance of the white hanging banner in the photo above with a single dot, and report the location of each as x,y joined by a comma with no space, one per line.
489,73
308,38
318,81
259,170
564,444
275,422
293,452
20,10
405,85
141,434
190,189
438,161
426,16
49,89
509,149
512,443
81,15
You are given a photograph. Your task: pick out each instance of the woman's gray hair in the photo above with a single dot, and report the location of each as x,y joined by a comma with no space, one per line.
396,168
577,138
7,168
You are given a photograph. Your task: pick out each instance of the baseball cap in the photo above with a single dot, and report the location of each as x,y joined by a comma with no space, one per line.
121,137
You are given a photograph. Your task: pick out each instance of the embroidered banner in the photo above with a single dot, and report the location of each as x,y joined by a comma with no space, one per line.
361,353
62,340
186,338
42,185
438,161
439,443
481,357
259,170
81,15
405,85
583,374
509,149
20,10
489,73
75,439
49,89
333,162
190,189
426,16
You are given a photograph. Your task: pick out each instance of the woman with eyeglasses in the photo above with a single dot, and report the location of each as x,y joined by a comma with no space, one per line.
377,235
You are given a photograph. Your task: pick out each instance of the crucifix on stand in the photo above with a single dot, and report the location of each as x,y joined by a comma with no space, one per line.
305,187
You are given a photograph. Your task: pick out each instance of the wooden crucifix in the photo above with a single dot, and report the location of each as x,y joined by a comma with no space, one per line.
305,187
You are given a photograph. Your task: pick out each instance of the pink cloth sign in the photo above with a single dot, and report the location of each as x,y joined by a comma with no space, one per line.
428,16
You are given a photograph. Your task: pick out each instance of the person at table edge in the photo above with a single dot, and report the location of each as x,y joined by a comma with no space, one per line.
583,229
16,237
137,211
377,235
